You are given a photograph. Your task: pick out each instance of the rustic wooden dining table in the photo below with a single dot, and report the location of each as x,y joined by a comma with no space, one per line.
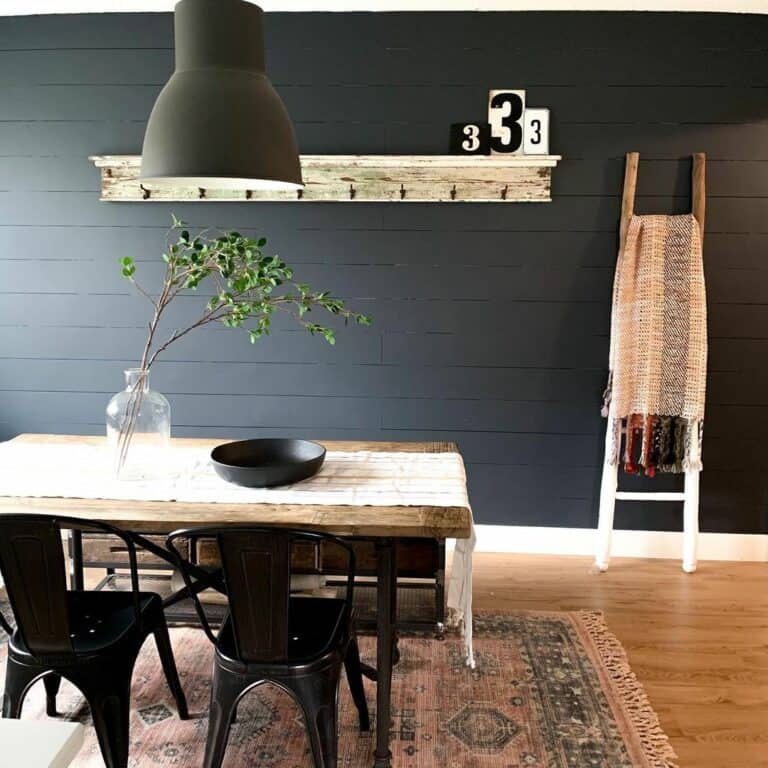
385,525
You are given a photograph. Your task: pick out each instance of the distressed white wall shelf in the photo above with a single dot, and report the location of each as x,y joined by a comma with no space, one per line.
371,178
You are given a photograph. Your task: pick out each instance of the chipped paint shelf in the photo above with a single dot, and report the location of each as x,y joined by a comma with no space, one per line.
363,178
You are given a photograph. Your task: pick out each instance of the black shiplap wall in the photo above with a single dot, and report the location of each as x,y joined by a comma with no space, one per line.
491,321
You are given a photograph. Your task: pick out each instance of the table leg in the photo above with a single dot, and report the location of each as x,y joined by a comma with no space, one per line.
386,608
76,578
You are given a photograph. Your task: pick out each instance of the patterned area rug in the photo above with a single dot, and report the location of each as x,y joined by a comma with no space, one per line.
551,690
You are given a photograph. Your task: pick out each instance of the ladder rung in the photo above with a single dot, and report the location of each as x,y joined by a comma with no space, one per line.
650,496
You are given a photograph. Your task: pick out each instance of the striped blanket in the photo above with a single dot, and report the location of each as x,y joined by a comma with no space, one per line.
658,355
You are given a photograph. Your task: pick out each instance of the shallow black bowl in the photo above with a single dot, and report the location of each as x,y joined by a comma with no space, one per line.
267,461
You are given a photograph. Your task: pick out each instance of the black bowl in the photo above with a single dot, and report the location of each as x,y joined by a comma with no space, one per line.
267,461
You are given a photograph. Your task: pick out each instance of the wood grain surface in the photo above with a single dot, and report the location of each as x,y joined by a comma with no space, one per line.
698,643
161,517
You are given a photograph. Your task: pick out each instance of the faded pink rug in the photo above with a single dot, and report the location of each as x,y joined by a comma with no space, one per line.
551,690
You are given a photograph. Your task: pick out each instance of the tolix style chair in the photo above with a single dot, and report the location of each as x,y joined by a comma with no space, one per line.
297,643
91,639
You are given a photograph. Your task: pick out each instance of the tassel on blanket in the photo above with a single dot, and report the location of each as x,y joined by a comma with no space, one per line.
667,444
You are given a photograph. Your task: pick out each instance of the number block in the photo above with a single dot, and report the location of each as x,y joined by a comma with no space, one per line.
470,139
536,132
505,116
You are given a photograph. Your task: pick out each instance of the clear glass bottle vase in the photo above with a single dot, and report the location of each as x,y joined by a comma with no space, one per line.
138,428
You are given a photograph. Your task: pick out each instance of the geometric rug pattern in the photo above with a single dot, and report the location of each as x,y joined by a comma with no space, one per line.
550,690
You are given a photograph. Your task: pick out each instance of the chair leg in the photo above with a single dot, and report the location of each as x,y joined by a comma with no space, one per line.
225,692
165,651
52,683
18,678
317,696
355,680
325,726
109,699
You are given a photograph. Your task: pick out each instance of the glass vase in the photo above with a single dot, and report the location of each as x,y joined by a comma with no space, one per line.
138,428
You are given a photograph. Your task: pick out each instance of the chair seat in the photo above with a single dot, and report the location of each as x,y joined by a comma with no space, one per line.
98,619
315,625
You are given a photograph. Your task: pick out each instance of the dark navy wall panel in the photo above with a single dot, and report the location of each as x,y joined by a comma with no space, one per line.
491,321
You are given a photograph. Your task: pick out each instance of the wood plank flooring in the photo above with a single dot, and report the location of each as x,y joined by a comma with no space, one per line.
698,643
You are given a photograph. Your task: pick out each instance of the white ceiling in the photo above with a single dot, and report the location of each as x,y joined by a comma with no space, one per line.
31,7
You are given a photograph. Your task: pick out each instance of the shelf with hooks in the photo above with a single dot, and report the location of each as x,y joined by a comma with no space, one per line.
364,178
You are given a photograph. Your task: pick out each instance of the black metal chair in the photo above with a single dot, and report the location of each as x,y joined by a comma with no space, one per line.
297,643
91,639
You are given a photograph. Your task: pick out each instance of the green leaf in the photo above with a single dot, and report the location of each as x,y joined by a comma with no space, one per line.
249,285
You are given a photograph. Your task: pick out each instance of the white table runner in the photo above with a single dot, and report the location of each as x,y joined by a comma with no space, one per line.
84,471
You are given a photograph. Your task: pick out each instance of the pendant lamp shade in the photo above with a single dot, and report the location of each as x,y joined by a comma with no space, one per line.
218,122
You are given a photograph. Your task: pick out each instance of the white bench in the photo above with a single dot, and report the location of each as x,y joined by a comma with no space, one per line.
39,743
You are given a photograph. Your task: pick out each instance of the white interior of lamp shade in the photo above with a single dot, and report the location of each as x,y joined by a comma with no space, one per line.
216,182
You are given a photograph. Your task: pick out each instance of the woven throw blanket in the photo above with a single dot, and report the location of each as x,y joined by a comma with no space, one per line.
362,478
658,354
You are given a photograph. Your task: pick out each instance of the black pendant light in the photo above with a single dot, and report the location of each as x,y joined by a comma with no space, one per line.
218,122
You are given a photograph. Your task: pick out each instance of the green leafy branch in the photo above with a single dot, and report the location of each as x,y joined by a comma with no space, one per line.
249,287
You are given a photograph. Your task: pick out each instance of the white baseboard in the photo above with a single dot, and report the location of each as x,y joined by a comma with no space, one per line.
581,541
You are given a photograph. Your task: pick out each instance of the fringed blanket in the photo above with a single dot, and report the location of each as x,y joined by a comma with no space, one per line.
658,357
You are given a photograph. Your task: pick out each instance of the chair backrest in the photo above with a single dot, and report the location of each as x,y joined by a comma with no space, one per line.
33,569
32,563
256,564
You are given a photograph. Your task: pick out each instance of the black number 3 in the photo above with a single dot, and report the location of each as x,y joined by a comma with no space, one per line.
511,106
536,126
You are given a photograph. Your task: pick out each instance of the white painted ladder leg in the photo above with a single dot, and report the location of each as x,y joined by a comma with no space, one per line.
608,487
691,512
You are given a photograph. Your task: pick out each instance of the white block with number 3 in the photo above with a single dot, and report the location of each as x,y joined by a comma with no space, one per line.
536,132
505,116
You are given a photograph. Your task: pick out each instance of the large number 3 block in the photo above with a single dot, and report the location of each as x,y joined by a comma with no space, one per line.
505,116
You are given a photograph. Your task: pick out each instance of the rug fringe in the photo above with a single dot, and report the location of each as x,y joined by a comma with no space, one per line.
654,741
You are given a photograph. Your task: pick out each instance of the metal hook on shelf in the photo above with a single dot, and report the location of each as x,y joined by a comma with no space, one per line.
351,192
248,194
453,192
504,192
299,194
402,192
201,193
145,193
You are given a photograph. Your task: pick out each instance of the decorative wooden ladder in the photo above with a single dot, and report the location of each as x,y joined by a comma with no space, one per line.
609,493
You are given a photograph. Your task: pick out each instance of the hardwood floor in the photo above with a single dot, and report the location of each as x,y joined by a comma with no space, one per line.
698,643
